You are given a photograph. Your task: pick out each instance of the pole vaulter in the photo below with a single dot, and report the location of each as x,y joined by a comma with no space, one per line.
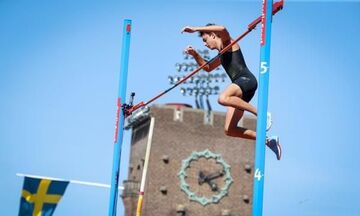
276,8
124,110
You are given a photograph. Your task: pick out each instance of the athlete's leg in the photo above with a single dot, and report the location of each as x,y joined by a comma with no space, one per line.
231,129
232,96
231,125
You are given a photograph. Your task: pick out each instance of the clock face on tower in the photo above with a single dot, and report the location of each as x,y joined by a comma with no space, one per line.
205,177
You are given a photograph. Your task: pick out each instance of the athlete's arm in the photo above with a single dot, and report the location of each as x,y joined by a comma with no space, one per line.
200,61
221,31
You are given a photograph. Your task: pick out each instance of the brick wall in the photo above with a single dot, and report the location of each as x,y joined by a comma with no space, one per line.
178,132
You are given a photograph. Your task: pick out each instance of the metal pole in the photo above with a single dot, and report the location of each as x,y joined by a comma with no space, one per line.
72,181
262,108
120,117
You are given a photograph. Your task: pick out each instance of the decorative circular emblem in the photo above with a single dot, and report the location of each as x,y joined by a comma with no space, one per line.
205,177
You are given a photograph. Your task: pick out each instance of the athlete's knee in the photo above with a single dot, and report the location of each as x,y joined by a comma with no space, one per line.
223,99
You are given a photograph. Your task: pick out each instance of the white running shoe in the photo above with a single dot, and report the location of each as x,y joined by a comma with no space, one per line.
274,145
268,121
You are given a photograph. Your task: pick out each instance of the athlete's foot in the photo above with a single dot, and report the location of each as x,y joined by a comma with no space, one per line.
268,121
273,143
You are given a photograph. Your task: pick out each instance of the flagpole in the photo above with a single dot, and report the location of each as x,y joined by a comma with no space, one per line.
259,174
120,117
143,178
95,184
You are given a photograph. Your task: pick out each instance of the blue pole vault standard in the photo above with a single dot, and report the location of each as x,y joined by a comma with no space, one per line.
120,117
262,108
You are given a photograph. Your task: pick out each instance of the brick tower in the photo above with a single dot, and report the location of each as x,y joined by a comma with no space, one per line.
194,168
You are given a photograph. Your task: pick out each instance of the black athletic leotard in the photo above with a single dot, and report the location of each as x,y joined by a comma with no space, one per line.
235,66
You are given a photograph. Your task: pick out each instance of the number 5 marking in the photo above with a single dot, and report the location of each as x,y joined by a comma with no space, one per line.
264,67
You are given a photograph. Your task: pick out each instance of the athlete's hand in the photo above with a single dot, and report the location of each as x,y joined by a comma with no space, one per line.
190,50
188,29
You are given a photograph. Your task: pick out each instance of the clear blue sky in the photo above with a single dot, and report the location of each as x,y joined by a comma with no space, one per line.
59,70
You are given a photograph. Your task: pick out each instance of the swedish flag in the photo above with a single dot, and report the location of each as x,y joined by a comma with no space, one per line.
39,197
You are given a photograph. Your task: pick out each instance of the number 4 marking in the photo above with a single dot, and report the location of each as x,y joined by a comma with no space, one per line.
258,175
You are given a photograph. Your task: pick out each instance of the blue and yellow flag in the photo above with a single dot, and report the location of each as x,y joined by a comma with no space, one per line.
39,197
